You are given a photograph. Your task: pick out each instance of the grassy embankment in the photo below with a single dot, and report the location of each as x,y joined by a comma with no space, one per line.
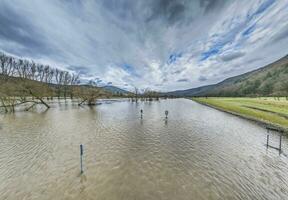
267,110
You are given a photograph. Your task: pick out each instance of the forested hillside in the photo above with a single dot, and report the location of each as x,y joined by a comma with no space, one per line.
271,80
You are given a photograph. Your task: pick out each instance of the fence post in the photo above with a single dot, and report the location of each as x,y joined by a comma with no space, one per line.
81,159
267,140
280,143
166,113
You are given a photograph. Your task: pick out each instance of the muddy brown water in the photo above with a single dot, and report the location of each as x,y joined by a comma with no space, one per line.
198,153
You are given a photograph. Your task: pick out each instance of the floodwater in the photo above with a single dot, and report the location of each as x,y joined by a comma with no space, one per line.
198,153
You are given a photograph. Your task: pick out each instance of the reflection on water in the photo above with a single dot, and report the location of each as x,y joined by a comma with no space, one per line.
197,153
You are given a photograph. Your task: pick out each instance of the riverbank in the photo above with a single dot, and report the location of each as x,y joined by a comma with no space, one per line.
266,111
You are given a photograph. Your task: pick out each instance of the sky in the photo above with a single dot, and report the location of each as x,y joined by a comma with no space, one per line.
162,45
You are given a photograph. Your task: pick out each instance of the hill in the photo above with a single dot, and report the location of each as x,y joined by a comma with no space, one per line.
115,90
17,86
271,80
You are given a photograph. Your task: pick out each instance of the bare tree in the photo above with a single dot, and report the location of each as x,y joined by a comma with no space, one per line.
59,80
66,81
88,95
74,81
150,95
15,92
7,65
33,70
32,76
136,93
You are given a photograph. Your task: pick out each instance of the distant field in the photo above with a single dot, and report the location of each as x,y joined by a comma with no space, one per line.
265,109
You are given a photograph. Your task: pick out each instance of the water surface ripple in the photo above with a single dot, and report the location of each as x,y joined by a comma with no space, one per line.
198,153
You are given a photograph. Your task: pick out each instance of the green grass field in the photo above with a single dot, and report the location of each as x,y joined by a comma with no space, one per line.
269,110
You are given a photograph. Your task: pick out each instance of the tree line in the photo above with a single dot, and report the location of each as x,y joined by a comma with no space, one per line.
23,68
21,79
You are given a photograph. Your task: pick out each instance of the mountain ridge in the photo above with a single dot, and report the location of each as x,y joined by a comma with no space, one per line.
115,90
270,80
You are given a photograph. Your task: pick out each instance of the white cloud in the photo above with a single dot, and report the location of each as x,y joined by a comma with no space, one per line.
208,42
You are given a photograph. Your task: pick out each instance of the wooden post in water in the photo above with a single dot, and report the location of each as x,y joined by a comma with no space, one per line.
280,143
141,113
81,159
280,138
166,113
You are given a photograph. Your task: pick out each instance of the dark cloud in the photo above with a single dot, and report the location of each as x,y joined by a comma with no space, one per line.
179,11
210,5
17,28
168,11
202,78
177,71
252,60
127,42
183,80
232,56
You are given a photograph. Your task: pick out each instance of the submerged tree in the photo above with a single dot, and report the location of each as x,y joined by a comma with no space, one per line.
88,95
20,79
136,94
150,95
25,92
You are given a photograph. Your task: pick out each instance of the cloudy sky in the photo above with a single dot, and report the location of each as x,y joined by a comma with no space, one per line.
161,44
